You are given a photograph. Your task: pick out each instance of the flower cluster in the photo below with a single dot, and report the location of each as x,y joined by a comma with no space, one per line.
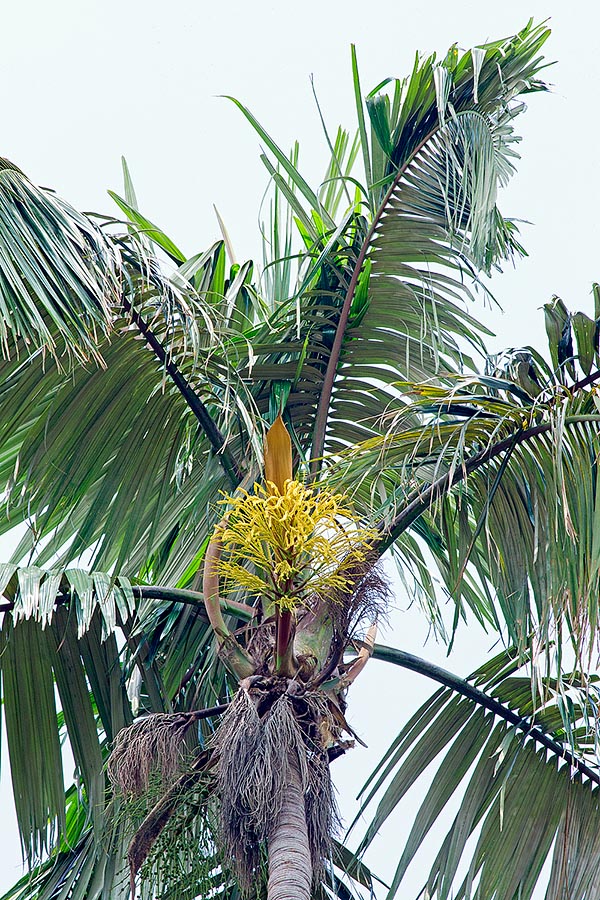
286,547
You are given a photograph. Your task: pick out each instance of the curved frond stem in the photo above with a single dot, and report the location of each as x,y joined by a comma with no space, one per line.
465,689
192,598
422,499
209,712
171,595
336,349
585,382
235,657
196,405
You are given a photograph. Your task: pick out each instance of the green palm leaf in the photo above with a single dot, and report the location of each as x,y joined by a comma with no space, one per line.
101,451
59,277
519,803
447,152
359,336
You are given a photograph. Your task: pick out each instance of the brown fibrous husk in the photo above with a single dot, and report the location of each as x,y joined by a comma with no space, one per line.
255,749
153,744
366,599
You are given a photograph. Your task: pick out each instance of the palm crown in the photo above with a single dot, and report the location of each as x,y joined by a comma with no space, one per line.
143,396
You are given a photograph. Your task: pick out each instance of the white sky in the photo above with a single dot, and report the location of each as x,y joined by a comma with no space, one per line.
82,82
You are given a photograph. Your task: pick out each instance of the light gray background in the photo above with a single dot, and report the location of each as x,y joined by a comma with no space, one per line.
83,82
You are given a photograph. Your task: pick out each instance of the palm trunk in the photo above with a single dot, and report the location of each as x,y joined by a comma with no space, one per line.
290,868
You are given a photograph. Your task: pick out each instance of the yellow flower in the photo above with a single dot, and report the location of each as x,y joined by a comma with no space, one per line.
288,546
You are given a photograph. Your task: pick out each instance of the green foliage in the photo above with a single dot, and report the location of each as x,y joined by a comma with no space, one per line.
136,386
59,276
521,804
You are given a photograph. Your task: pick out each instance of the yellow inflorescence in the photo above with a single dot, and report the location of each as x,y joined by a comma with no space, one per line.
287,546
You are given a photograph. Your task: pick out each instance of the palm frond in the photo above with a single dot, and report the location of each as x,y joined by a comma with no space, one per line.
447,152
359,336
33,741
496,476
59,277
101,452
519,803
387,289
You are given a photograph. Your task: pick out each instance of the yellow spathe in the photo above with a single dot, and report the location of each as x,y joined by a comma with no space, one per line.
278,455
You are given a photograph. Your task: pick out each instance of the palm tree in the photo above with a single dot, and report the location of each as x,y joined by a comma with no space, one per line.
207,464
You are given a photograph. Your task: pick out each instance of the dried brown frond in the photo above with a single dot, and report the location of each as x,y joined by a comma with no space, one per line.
153,744
366,601
322,817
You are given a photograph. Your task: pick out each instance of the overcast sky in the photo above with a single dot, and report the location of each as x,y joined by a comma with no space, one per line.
84,82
